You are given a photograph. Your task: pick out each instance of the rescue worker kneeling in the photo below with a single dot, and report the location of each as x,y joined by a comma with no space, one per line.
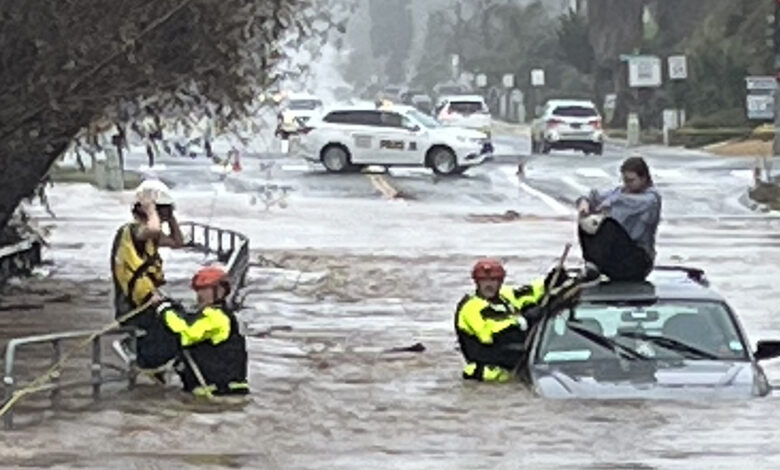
214,358
491,325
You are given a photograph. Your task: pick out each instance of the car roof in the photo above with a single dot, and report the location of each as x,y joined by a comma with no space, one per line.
399,108
462,98
670,283
301,96
571,103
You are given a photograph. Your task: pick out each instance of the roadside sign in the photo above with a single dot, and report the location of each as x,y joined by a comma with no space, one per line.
610,101
761,107
761,82
455,58
537,77
644,71
481,80
678,67
508,80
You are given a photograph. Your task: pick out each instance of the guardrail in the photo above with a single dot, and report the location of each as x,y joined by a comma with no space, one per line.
231,248
55,385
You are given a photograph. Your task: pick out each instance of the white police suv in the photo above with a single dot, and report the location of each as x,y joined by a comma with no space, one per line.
348,138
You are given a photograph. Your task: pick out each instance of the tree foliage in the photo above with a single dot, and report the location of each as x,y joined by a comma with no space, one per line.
67,63
391,35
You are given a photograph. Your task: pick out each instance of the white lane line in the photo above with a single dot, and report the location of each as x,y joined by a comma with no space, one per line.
580,188
295,167
592,172
556,206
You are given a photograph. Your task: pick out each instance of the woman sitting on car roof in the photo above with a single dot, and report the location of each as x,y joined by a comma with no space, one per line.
617,227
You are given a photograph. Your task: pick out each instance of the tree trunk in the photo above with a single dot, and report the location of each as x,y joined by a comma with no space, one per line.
615,27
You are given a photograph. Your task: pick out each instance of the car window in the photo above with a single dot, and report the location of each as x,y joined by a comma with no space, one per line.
424,119
304,104
364,118
391,119
575,111
467,107
703,325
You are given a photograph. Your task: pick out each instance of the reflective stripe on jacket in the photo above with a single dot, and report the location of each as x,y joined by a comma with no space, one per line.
491,332
216,346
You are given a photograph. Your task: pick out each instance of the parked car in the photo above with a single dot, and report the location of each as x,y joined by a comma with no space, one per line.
670,337
297,109
469,111
568,124
348,138
423,103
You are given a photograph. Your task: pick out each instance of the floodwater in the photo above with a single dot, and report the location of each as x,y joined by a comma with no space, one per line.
343,277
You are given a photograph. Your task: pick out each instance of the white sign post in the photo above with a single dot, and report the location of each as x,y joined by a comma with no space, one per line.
537,77
481,80
644,71
678,67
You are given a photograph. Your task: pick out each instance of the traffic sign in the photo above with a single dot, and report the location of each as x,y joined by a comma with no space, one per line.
508,80
644,71
537,77
481,80
678,67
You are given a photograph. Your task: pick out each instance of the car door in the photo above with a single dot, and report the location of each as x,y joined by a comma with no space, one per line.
397,144
362,130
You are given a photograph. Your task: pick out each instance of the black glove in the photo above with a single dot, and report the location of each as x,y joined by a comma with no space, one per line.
561,280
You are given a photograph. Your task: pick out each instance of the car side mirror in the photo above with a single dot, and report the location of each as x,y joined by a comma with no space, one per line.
414,128
767,350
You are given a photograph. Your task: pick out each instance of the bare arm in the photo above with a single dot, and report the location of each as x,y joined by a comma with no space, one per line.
175,239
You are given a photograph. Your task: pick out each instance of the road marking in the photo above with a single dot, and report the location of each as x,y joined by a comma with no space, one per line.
383,186
556,206
295,167
592,172
581,188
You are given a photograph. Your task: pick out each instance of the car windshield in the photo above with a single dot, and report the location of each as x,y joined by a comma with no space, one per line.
423,119
305,104
664,330
575,111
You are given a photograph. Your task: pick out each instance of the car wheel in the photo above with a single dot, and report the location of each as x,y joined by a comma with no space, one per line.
443,161
598,149
335,158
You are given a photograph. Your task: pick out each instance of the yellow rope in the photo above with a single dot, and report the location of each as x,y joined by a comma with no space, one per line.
37,384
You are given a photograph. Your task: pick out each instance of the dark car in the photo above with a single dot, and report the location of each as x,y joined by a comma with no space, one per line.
669,337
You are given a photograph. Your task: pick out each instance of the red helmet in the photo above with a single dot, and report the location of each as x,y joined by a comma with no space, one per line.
210,276
488,269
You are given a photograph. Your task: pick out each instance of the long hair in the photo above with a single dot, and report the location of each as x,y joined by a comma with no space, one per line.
637,164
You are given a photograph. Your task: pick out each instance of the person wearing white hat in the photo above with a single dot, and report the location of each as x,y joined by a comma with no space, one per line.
137,269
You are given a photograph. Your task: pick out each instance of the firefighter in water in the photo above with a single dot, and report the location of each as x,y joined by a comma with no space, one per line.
137,272
492,324
214,358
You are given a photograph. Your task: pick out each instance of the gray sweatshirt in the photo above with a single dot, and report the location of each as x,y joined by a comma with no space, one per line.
637,213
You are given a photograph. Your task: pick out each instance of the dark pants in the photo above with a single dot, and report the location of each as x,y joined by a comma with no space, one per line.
614,253
158,345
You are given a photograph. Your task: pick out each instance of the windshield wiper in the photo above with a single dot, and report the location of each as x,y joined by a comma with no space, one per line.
671,344
607,343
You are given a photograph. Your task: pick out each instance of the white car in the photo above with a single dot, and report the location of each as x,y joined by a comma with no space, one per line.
568,124
469,111
348,138
296,111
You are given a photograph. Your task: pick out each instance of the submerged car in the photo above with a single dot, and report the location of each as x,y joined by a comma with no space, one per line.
669,337
349,138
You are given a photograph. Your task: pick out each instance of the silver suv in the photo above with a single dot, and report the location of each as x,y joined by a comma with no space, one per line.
568,124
